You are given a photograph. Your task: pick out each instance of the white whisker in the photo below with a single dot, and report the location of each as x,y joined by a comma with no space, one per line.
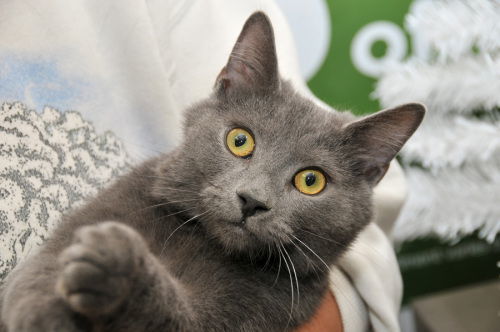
295,273
278,273
350,247
178,189
269,256
175,230
291,285
315,254
163,204
308,259
173,214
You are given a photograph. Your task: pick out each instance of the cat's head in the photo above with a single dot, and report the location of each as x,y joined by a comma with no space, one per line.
262,166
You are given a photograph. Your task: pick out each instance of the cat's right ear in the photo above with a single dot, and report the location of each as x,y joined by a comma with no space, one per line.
373,141
252,67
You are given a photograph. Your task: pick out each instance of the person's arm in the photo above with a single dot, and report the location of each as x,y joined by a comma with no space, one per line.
327,317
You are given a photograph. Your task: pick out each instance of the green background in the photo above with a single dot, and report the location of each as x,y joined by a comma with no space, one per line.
338,82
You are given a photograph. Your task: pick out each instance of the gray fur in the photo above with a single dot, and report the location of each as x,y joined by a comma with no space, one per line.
165,247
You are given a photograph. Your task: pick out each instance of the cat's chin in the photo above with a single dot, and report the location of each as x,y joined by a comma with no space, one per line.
236,236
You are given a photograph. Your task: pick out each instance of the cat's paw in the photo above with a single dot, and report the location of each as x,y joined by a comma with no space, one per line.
98,269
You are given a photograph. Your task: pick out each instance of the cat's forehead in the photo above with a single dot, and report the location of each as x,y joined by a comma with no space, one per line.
287,116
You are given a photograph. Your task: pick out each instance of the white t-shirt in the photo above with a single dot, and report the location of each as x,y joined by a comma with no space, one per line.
132,67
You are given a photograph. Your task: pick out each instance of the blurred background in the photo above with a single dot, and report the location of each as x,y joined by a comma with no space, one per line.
365,55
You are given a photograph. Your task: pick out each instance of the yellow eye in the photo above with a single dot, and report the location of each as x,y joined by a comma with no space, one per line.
310,181
240,142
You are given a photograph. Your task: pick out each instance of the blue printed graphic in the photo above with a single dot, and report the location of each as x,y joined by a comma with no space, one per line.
38,83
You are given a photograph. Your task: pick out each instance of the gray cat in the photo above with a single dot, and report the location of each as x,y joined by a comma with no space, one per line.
232,231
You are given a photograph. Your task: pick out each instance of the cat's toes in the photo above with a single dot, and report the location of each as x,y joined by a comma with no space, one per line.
89,289
97,269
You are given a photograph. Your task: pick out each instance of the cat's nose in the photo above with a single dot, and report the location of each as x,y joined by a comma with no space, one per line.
250,205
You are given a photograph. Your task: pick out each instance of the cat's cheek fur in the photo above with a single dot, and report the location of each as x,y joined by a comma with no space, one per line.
224,219
222,201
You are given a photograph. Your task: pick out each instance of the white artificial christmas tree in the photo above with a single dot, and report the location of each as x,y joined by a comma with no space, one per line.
453,161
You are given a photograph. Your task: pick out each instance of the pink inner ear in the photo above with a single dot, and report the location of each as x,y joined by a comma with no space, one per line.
240,73
252,65
375,140
378,173
222,79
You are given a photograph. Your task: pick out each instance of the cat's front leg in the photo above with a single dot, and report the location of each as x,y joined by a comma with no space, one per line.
109,275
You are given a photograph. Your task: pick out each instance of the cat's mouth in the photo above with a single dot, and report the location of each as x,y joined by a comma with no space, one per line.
240,224
247,226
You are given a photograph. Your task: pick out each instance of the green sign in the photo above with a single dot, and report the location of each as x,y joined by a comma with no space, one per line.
366,35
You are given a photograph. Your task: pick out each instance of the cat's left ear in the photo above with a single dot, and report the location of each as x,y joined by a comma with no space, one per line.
372,142
252,66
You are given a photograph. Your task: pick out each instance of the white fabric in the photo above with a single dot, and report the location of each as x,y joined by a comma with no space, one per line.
352,308
147,60
372,267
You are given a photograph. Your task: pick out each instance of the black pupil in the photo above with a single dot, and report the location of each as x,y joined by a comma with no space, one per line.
240,140
310,179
